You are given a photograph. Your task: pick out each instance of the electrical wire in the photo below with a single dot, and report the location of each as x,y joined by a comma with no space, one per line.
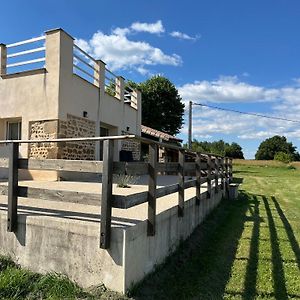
246,113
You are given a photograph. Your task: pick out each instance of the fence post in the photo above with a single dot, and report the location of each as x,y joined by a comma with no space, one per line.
216,174
12,208
152,189
222,173
181,183
230,170
107,177
208,176
227,176
198,178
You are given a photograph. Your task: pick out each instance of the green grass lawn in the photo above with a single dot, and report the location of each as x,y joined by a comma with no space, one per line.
246,249
17,283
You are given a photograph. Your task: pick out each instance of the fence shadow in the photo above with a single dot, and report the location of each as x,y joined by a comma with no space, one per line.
289,231
203,266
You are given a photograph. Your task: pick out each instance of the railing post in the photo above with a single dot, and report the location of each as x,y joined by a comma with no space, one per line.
138,111
222,173
12,208
106,200
198,178
181,160
152,189
99,81
208,176
99,74
230,170
120,88
227,176
216,174
3,59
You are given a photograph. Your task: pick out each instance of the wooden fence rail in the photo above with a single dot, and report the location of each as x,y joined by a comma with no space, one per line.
202,167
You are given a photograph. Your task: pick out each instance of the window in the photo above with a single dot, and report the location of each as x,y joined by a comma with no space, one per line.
13,130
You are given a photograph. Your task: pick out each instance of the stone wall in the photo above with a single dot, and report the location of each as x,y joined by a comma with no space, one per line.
77,127
71,128
43,130
134,147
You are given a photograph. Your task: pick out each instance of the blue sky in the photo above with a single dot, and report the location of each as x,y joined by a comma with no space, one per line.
235,54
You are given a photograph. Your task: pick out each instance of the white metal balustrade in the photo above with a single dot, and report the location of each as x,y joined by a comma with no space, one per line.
16,60
111,82
84,65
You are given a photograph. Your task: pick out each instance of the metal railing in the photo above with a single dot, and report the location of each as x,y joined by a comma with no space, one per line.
16,60
111,83
214,170
84,65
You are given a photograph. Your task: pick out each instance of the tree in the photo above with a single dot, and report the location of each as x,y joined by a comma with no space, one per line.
269,147
234,150
220,147
162,108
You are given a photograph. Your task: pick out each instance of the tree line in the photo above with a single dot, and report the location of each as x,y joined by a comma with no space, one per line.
220,147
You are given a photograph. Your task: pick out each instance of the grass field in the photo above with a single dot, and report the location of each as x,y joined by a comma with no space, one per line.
247,249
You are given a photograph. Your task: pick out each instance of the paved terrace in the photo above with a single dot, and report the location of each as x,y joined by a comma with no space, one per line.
91,213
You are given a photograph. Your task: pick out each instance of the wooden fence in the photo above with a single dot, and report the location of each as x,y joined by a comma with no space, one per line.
204,167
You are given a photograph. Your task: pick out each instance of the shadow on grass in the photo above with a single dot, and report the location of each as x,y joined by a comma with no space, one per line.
280,291
252,265
289,231
202,267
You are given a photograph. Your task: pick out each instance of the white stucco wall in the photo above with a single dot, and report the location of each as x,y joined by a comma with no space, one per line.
54,92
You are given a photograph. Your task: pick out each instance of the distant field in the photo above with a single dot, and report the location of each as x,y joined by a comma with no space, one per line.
270,163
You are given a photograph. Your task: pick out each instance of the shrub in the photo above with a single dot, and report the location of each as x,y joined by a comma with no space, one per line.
283,157
124,181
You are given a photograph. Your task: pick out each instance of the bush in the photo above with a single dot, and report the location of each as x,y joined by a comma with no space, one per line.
124,181
283,157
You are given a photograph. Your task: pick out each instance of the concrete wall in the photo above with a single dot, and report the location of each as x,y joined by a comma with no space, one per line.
143,253
47,244
67,240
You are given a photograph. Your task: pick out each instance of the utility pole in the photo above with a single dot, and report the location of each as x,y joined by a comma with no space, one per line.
190,125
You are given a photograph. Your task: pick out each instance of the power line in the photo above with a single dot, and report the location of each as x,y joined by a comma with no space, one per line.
246,113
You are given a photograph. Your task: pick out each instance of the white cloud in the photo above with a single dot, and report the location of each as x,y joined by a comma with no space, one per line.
184,36
208,122
119,52
156,27
84,45
143,71
283,102
226,89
